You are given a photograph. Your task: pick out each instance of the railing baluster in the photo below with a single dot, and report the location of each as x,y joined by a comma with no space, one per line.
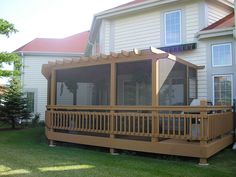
184,116
179,126
143,123
133,123
129,124
168,125
173,124
190,126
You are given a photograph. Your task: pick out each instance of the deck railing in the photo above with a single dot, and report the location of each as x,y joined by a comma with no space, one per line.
202,123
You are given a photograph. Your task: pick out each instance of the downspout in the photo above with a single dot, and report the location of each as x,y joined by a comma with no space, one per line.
22,69
234,105
234,20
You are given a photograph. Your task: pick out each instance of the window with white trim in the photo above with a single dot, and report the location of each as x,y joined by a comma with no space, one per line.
173,27
223,87
30,101
221,55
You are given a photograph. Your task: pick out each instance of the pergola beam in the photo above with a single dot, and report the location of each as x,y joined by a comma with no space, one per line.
118,57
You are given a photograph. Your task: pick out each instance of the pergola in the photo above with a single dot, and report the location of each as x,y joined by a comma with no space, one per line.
153,55
135,100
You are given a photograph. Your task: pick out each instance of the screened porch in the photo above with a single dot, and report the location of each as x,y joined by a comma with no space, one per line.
134,100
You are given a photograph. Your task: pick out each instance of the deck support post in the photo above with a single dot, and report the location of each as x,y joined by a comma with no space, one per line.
155,99
51,143
112,101
203,162
53,88
203,134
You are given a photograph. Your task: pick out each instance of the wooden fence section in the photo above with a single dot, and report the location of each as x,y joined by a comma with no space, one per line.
184,122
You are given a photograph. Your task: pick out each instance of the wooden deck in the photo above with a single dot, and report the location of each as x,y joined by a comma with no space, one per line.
198,131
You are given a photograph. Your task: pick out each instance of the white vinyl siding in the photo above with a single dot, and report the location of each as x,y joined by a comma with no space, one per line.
221,55
172,21
216,12
33,79
222,89
139,31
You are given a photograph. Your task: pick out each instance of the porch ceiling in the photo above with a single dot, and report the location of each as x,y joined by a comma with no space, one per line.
123,56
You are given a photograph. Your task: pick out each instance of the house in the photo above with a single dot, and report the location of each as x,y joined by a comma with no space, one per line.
39,51
128,95
191,30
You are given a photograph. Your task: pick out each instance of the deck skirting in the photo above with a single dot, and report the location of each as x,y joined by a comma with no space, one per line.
169,146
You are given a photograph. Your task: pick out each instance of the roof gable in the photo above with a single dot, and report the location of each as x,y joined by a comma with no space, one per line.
226,22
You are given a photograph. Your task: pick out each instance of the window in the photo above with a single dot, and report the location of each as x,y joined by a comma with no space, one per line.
173,27
221,55
30,101
223,88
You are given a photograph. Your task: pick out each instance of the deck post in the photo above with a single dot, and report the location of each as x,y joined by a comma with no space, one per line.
53,88
155,99
203,162
52,103
203,123
112,101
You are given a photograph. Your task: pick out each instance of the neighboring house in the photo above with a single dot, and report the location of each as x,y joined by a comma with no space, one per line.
40,51
189,29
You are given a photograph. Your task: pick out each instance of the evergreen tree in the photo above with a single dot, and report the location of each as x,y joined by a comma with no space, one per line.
14,104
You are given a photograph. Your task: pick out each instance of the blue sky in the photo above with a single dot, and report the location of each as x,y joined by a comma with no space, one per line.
49,18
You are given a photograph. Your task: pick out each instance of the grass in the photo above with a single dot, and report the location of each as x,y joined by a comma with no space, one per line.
26,153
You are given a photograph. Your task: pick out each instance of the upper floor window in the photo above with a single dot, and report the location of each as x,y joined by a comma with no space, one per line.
173,27
221,55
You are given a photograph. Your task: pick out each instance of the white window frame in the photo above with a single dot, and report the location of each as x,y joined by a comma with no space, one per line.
213,82
35,91
180,37
231,56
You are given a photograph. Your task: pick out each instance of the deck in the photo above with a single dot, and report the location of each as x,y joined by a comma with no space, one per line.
199,131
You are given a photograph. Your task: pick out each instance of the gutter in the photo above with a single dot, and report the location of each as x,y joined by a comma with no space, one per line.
214,33
35,53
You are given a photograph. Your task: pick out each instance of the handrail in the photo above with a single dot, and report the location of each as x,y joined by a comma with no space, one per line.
142,108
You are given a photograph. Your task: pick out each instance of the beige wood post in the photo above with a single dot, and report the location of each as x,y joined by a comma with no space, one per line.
112,101
52,101
187,85
203,140
53,87
203,123
203,162
155,99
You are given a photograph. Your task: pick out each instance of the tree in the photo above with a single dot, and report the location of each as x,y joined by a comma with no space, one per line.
13,104
6,29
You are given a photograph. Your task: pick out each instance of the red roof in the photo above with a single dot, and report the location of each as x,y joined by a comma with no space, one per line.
72,44
226,22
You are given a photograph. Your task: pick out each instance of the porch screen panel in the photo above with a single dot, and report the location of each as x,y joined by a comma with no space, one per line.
134,83
192,85
173,88
83,86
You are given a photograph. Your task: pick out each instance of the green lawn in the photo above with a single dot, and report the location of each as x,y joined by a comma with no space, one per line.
26,153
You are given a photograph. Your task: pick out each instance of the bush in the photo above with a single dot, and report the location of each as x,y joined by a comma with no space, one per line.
36,120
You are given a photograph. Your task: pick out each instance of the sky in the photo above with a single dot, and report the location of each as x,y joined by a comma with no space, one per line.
49,18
